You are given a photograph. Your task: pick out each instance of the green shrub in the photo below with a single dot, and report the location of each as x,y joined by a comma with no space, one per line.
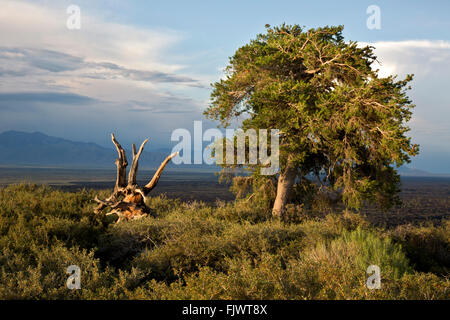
41,273
195,251
428,247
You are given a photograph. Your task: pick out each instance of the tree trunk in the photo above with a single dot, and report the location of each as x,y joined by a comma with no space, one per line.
286,182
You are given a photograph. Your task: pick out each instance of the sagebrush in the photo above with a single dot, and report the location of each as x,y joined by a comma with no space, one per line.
197,251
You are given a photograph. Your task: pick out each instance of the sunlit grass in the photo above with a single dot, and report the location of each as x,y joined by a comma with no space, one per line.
192,250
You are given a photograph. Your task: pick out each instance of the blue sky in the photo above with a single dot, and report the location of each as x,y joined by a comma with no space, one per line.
143,68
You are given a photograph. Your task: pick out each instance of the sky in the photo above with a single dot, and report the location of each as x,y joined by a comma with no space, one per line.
144,68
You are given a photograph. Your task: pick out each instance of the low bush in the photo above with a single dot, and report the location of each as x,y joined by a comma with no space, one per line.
197,251
428,247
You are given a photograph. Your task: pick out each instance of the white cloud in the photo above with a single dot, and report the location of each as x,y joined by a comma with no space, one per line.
122,51
411,56
429,62
25,24
129,72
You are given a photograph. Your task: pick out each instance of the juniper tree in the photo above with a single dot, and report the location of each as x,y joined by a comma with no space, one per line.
340,122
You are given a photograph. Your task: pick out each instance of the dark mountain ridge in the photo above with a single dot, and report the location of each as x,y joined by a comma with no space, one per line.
38,149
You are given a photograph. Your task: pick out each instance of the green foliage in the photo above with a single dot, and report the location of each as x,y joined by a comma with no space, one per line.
195,251
360,248
428,247
337,116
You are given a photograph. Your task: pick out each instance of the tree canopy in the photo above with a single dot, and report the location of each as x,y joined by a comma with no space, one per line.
342,125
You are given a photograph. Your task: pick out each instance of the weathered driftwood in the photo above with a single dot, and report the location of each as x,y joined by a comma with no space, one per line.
128,199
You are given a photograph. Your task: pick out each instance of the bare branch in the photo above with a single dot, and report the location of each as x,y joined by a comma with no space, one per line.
134,166
148,187
106,203
121,164
110,202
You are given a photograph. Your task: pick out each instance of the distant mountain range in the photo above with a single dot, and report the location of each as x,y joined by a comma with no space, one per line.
37,149
411,172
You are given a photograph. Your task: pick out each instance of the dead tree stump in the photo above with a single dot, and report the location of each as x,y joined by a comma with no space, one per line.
128,199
